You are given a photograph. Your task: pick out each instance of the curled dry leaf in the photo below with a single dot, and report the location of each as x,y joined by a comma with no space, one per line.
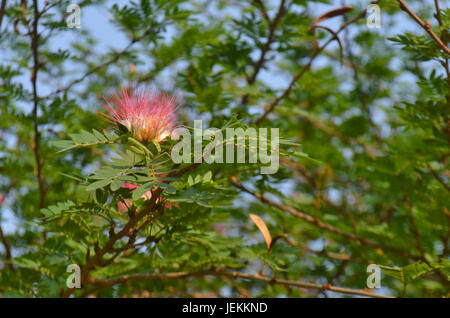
332,13
263,228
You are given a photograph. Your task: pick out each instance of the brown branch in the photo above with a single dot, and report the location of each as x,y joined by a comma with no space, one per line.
243,292
2,13
307,67
130,229
48,6
425,25
34,72
127,230
438,12
266,47
325,226
445,64
263,10
304,248
7,246
415,229
272,27
329,128
438,178
255,277
3,238
102,65
302,173
446,238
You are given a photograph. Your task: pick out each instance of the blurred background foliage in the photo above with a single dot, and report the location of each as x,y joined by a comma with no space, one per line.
369,105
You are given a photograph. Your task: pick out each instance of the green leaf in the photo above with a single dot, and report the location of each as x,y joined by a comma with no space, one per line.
116,185
167,187
411,272
62,143
101,196
85,139
57,208
76,178
207,177
98,184
139,192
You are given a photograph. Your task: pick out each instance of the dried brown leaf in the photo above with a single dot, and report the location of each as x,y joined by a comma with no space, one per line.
333,13
263,228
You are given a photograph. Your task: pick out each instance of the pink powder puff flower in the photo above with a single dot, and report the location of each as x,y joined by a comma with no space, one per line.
124,205
148,114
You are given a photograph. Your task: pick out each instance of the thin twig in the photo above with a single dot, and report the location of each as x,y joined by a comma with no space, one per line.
97,259
255,277
307,67
130,229
272,27
7,246
263,10
102,65
325,226
34,73
438,12
266,47
438,178
2,13
425,25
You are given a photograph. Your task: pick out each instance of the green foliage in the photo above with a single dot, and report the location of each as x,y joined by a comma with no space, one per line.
364,154
86,139
413,271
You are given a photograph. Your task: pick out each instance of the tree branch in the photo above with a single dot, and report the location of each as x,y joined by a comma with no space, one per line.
129,229
438,178
97,259
255,277
307,67
272,27
34,72
102,65
322,225
2,13
7,246
266,47
425,25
